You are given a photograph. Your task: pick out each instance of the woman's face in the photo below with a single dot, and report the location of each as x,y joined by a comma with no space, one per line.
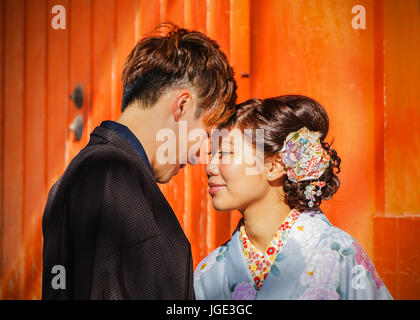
237,175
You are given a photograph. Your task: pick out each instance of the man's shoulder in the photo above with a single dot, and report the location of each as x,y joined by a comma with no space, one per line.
100,157
91,167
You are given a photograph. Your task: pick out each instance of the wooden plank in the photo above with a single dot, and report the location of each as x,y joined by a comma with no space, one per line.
240,46
79,17
402,93
195,218
2,12
102,47
125,22
240,60
386,247
401,90
307,37
379,108
147,17
34,142
218,28
196,188
408,257
57,98
13,174
195,15
173,11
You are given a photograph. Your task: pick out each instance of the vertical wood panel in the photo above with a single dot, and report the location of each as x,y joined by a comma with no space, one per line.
240,46
57,97
34,142
401,90
379,108
195,216
125,13
311,48
195,16
148,17
102,55
402,112
386,236
173,11
13,175
240,61
79,18
2,12
218,28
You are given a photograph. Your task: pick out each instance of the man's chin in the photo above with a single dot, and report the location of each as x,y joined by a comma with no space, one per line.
165,178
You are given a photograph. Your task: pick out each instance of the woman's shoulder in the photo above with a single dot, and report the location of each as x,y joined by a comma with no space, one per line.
312,230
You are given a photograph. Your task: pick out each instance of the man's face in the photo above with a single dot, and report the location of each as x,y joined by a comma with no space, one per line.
192,135
181,145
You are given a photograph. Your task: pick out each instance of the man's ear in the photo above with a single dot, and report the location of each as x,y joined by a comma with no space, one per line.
181,104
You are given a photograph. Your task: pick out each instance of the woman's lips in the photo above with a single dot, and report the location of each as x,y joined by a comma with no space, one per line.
214,188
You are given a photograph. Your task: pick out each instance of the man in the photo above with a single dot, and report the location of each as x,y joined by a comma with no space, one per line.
109,232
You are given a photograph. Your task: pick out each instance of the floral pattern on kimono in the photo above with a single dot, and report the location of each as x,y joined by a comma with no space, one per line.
260,263
318,262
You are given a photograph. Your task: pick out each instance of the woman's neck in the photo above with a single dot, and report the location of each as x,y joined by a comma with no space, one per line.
263,218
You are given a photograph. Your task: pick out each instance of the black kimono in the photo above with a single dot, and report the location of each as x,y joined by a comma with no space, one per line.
108,224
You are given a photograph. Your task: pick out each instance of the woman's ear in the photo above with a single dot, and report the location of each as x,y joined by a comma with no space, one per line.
276,169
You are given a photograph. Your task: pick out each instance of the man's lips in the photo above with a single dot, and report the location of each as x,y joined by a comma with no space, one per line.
215,187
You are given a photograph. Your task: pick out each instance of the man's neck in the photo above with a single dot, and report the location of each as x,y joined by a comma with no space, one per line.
142,124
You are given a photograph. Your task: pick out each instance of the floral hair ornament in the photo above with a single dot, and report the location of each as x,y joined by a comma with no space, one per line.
305,159
310,191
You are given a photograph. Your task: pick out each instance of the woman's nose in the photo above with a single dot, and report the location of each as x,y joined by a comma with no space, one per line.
212,169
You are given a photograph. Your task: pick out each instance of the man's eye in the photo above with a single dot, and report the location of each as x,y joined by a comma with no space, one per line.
223,153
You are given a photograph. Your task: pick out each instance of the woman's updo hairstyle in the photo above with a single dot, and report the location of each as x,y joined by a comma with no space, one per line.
280,116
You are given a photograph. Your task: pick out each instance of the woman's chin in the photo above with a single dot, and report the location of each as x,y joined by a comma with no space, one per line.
221,205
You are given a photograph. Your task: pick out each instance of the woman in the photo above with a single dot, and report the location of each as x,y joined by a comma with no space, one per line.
284,246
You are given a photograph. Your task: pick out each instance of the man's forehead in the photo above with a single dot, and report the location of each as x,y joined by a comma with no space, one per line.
224,136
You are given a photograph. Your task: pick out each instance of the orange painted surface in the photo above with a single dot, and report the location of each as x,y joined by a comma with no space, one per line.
396,236
368,80
314,51
13,154
402,110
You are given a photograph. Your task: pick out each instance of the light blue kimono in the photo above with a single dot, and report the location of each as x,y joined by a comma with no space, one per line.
318,261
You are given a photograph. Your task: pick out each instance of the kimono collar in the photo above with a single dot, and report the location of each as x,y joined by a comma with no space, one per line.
260,263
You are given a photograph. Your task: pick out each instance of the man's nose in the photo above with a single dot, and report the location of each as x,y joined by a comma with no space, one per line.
195,157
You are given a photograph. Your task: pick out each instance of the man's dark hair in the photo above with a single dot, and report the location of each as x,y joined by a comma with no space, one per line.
180,58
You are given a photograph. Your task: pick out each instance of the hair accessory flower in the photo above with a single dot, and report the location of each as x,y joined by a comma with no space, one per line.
304,157
310,191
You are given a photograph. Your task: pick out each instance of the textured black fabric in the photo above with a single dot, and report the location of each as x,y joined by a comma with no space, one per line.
107,222
125,133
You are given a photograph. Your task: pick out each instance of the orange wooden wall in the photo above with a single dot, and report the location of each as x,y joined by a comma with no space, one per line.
368,80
